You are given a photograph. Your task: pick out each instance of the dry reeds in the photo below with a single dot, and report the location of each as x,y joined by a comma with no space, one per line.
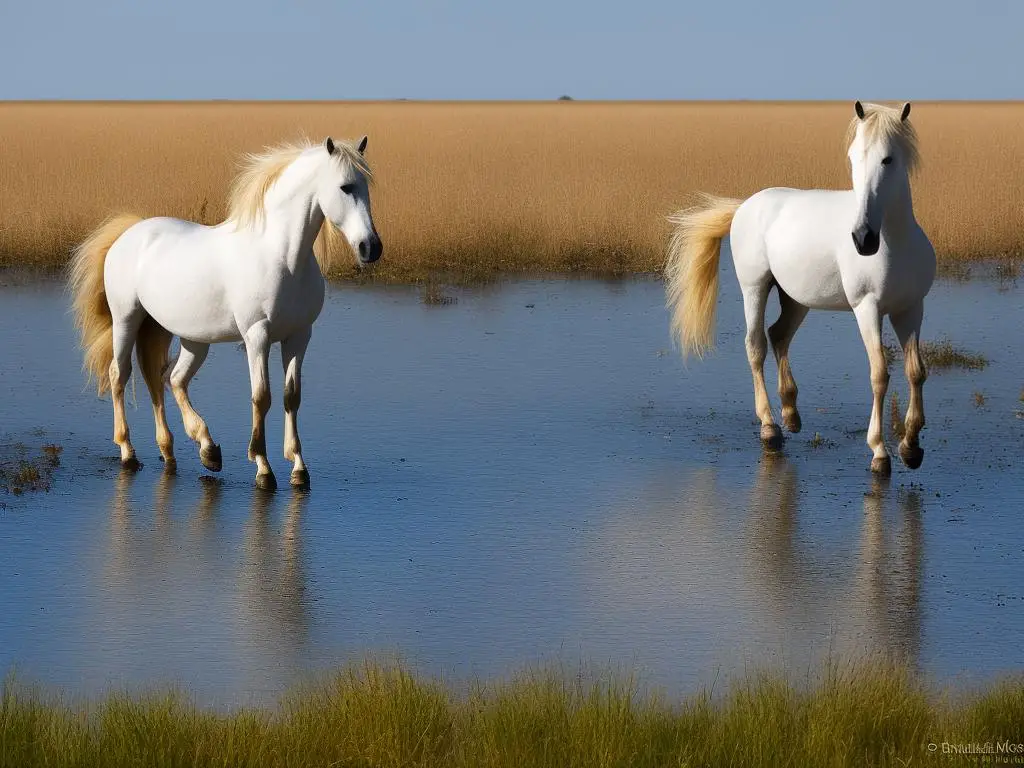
471,191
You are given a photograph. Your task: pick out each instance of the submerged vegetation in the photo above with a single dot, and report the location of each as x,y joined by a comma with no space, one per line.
385,716
22,469
471,192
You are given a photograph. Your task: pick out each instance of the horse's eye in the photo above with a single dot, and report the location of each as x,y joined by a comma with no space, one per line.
886,160
348,189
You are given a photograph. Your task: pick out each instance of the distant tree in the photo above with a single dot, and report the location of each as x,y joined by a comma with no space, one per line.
565,98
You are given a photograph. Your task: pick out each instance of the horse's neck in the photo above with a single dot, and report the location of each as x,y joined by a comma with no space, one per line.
293,218
899,215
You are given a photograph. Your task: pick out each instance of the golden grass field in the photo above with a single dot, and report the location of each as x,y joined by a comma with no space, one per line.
476,190
385,716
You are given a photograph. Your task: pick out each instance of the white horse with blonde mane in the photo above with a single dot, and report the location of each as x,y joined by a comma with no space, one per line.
255,278
858,250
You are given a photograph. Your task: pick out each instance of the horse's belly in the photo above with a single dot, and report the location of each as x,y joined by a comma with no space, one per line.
814,283
800,241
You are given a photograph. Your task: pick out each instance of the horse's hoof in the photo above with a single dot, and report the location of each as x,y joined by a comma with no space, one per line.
300,480
131,463
881,466
771,436
912,455
266,482
792,421
170,465
211,458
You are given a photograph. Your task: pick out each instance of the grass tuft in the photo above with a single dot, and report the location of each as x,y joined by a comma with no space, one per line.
22,470
941,356
896,423
818,441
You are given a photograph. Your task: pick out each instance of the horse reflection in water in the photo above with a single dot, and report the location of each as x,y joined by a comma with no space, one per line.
182,587
271,580
760,575
888,584
880,603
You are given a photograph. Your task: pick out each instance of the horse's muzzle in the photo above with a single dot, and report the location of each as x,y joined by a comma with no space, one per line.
370,249
866,241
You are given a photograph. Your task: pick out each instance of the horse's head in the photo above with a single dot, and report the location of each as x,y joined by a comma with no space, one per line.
882,151
344,197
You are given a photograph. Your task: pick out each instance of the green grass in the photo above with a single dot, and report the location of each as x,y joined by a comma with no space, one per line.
385,716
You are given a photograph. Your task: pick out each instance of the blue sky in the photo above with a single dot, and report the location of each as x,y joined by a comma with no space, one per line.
528,49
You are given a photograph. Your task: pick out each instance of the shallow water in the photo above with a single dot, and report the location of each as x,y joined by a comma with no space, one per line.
527,475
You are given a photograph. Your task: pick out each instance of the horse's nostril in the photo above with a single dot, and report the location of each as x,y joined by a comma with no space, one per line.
364,247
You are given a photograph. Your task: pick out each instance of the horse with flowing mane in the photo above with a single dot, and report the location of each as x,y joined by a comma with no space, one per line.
256,278
858,250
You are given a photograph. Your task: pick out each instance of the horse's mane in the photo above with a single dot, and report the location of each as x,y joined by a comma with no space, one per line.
883,123
246,203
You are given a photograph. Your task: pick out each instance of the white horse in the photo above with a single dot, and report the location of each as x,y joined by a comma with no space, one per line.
254,278
857,250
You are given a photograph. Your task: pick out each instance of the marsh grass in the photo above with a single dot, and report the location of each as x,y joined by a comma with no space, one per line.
941,355
377,715
979,399
472,192
818,441
896,424
22,469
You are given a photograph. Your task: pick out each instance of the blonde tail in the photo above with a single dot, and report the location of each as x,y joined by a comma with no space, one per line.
92,313
691,272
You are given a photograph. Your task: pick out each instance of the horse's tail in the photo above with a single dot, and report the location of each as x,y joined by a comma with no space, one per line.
92,313
691,272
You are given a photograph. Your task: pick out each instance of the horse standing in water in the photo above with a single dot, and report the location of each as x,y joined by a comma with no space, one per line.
858,250
255,278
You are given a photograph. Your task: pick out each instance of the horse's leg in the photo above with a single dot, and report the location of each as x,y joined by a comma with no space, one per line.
192,356
293,349
869,319
164,437
151,347
781,334
755,299
124,333
257,348
908,330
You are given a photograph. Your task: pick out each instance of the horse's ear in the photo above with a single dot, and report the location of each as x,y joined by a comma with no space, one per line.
859,109
362,145
905,113
329,145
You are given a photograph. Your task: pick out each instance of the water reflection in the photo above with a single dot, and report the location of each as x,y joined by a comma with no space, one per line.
888,581
763,576
869,593
272,578
175,568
